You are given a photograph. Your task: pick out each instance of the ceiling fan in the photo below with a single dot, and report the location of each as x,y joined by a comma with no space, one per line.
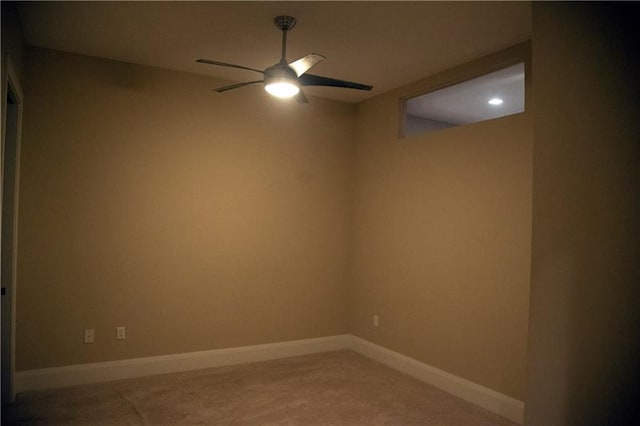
285,79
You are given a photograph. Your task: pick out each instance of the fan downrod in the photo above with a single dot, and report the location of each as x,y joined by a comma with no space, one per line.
284,23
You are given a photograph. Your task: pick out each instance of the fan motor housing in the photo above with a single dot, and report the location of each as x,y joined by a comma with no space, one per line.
280,73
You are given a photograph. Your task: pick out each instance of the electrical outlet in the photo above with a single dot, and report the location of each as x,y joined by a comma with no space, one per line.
121,333
376,320
89,335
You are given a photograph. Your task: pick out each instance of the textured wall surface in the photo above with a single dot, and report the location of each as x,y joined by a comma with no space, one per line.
442,237
197,220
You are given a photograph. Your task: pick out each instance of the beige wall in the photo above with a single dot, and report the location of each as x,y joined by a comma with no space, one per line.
442,237
197,220
585,285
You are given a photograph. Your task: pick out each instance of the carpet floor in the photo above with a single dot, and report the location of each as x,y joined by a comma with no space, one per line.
332,388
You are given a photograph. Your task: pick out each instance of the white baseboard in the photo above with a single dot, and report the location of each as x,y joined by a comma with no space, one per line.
71,375
486,398
56,377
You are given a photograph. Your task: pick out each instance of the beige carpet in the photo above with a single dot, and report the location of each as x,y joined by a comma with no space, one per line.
333,388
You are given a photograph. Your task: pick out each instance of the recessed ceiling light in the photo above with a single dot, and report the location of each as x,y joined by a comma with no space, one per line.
495,101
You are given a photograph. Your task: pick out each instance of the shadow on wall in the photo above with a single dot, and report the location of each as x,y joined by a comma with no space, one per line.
585,319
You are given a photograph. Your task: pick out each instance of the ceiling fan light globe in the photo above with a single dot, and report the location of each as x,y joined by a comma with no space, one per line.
281,81
282,89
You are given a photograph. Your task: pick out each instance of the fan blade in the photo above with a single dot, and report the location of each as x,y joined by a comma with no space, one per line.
316,80
301,98
235,86
303,64
224,64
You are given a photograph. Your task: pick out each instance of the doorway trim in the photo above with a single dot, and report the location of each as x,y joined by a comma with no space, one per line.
10,81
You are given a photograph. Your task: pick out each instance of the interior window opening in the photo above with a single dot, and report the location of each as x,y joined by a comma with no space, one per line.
493,95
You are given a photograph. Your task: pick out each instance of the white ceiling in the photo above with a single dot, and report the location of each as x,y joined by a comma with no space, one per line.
385,44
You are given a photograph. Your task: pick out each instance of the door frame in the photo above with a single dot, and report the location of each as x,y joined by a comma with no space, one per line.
10,81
